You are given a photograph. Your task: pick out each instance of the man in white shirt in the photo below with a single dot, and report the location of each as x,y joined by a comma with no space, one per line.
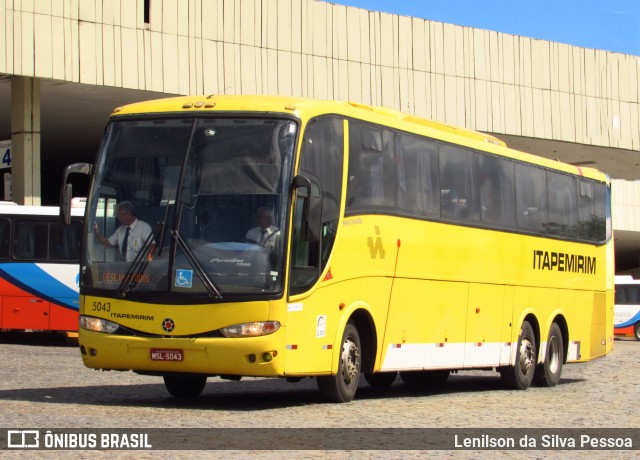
265,234
130,235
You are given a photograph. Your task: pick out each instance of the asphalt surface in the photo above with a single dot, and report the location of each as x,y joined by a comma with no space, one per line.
43,384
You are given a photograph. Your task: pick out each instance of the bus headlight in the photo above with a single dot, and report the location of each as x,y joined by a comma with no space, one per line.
97,324
251,329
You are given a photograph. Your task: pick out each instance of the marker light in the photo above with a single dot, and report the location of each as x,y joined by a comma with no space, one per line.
97,324
251,329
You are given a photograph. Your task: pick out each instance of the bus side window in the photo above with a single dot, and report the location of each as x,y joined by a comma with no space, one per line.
31,240
497,191
64,241
4,238
458,181
531,198
563,205
418,187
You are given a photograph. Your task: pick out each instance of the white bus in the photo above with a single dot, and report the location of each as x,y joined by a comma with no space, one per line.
626,317
39,262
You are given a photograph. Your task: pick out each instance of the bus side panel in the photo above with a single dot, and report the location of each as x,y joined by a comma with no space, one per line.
625,319
578,307
544,302
63,319
484,325
426,325
315,322
599,325
25,312
39,296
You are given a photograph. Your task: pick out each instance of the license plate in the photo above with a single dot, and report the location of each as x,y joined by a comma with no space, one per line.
167,354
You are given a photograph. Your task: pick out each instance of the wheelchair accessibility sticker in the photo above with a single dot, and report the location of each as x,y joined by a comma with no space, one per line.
184,278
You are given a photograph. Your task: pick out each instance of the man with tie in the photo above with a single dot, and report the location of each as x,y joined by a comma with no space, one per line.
265,234
130,235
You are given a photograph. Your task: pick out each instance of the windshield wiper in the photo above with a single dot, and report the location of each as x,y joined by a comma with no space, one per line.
206,281
137,267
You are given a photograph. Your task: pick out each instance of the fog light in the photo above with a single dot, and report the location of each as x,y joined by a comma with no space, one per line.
267,356
93,352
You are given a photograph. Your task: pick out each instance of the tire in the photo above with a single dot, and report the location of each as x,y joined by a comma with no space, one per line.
548,373
341,388
636,330
185,386
381,379
520,375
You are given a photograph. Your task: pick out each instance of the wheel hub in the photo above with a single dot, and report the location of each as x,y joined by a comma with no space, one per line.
350,360
526,356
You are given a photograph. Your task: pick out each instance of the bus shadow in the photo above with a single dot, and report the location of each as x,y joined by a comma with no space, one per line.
248,395
39,338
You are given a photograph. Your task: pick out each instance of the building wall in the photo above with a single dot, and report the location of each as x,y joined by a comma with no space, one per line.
479,79
625,205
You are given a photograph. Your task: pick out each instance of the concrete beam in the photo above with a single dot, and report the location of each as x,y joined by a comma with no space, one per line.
25,140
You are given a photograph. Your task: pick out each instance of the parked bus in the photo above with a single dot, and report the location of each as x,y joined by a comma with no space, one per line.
39,269
626,320
402,245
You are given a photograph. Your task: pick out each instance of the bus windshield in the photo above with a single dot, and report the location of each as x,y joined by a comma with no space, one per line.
190,206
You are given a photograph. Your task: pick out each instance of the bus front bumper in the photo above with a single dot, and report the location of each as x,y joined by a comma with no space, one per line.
247,356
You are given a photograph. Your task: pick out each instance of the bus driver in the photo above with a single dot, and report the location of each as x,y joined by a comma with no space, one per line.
130,235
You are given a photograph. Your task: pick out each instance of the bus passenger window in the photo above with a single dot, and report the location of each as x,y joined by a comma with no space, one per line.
4,238
418,190
563,208
458,183
30,240
497,191
64,241
590,221
531,198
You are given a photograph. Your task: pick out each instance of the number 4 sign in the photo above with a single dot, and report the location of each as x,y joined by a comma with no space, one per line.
5,154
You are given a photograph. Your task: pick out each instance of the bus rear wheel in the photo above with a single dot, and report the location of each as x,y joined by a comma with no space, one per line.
636,330
520,375
548,373
185,385
342,387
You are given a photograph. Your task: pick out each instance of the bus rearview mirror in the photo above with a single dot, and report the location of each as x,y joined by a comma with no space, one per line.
311,208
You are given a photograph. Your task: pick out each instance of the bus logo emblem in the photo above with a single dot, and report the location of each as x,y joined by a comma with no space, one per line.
376,248
168,325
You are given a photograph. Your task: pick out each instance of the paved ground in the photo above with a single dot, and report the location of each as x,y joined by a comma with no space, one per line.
47,386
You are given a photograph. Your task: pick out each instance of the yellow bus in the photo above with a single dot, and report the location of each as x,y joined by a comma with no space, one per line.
395,245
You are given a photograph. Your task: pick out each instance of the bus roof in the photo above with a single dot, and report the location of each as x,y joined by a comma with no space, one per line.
306,109
626,279
10,208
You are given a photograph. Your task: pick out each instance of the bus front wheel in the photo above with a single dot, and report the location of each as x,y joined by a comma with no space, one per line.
636,330
185,385
520,375
342,387
548,373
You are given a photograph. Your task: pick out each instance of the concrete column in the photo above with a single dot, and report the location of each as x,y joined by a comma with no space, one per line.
25,140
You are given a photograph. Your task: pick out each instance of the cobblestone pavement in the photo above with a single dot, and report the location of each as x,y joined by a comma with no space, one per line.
46,386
